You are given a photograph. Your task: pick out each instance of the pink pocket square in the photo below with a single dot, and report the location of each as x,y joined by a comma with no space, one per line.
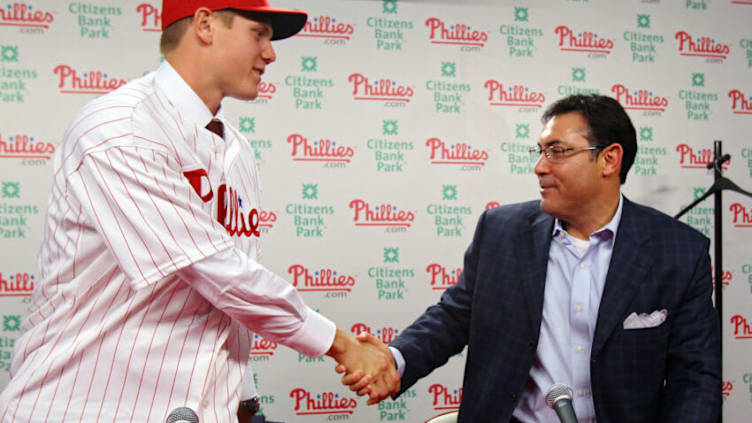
644,320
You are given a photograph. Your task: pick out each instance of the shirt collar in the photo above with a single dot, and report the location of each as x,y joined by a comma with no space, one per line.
609,229
182,96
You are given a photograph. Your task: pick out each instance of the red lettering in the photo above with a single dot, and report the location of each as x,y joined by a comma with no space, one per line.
149,12
458,32
384,213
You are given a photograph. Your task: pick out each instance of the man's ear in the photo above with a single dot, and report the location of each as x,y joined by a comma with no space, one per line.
202,25
610,159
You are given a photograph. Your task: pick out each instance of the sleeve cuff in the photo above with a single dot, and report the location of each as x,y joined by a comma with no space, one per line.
315,336
399,360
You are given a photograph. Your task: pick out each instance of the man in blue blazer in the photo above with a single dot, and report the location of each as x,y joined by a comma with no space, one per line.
584,288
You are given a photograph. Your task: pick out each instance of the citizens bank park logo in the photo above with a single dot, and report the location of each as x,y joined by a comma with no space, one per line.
327,27
26,17
583,42
387,334
440,153
151,18
445,399
323,403
742,215
740,103
16,284
691,158
322,150
321,280
91,82
513,95
639,99
394,94
701,47
455,34
383,215
441,277
262,349
742,329
23,146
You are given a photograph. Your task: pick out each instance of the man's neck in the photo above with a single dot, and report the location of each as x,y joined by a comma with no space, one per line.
598,216
196,78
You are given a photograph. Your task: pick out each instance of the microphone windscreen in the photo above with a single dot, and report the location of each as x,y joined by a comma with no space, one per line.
182,415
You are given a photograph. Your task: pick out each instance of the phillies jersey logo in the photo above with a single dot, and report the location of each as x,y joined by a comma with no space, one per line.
151,19
307,404
585,41
319,280
23,146
385,334
16,285
742,329
742,216
740,104
263,346
441,33
441,278
639,99
323,150
492,204
380,90
458,153
512,95
326,27
697,158
24,15
383,215
444,398
700,46
266,90
91,82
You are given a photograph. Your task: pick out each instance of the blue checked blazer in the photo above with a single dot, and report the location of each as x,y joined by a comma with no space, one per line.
670,373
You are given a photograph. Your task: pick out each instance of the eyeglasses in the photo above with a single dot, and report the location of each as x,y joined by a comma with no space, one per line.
557,153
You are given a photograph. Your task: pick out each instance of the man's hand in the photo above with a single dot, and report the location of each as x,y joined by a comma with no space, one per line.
368,364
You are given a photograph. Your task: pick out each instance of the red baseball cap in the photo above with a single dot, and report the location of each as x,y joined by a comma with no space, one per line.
285,22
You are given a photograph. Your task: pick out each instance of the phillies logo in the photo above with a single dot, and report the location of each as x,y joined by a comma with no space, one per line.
700,46
740,104
24,147
266,90
23,15
639,99
319,280
231,217
307,404
726,388
443,399
584,41
151,19
385,334
742,330
326,27
267,219
263,346
514,95
380,90
742,216
383,215
697,159
726,277
459,153
454,34
318,151
17,285
92,82
441,278
492,204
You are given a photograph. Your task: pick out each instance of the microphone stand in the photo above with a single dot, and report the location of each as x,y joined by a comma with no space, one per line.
720,183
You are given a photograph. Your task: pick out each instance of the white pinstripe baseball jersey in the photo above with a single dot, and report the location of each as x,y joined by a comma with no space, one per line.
149,280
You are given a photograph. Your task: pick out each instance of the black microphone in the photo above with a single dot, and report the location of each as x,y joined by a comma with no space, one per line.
182,415
559,397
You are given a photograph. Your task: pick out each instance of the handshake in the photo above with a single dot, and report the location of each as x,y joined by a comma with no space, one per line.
368,365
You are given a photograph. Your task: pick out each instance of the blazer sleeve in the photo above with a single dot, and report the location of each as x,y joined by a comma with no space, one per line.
693,370
443,329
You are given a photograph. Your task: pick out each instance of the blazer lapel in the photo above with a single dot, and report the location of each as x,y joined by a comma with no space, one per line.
630,261
532,252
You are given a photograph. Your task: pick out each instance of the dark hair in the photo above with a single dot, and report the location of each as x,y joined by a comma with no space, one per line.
608,122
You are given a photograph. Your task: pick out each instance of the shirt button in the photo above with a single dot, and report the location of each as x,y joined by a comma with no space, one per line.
579,308
582,265
579,348
581,393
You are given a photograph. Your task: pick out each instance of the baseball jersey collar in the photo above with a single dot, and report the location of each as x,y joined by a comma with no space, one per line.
182,96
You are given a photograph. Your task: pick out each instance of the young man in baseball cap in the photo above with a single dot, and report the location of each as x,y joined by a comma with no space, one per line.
150,288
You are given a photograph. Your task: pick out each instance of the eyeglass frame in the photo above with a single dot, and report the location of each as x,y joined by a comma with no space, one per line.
564,150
